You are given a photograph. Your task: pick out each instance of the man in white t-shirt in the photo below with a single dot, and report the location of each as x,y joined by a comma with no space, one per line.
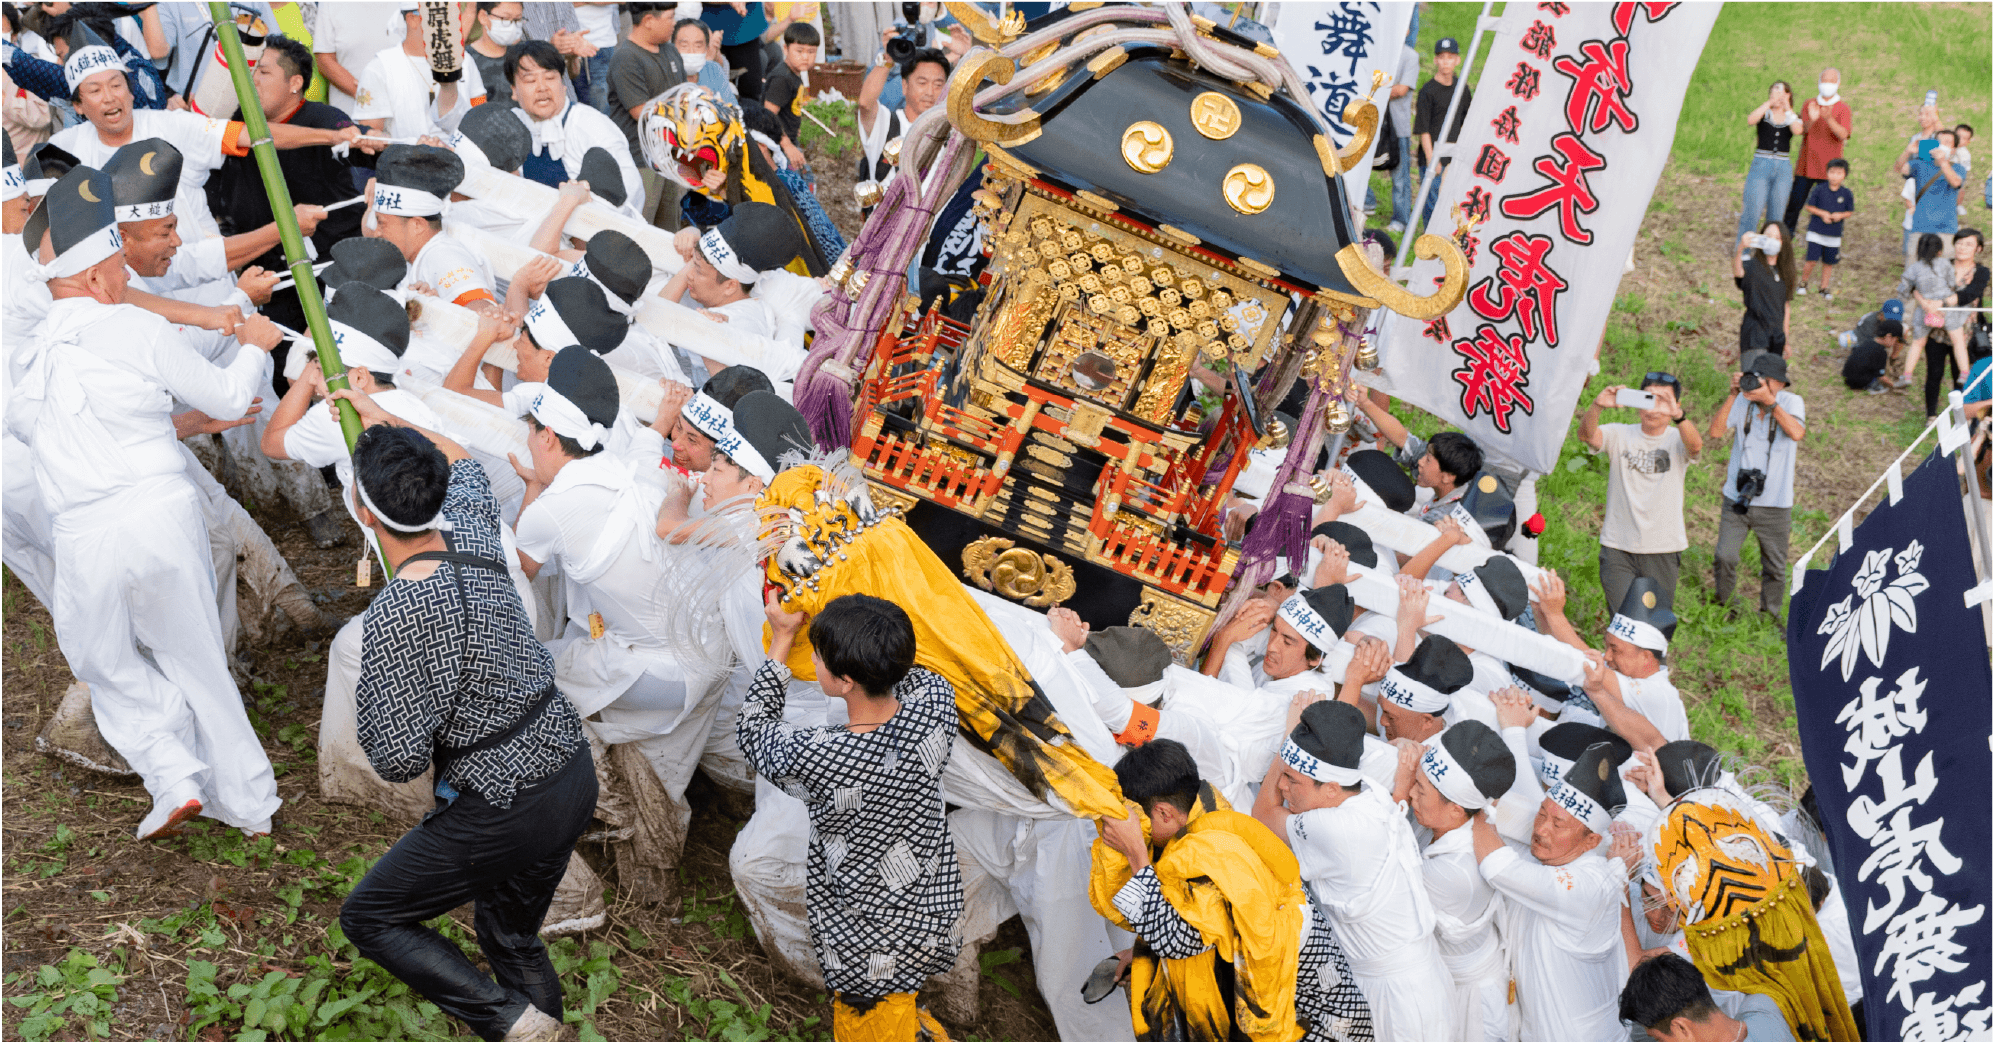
601,23
345,37
1643,534
399,96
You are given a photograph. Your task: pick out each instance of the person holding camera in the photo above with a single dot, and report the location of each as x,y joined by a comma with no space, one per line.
1643,534
924,74
1770,422
1764,270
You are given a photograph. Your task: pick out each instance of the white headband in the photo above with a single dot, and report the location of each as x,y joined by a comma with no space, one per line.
399,201
559,414
89,62
468,150
1309,623
580,270
712,419
357,349
1319,769
13,184
1477,593
102,244
736,447
1364,493
1582,807
722,256
549,330
39,186
1639,634
1475,533
129,212
775,153
1450,778
438,522
1411,694
1550,768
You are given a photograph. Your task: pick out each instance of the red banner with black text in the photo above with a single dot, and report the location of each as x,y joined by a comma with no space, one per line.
1572,121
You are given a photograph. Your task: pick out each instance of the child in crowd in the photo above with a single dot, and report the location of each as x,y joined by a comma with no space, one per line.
1830,203
785,92
884,888
1868,364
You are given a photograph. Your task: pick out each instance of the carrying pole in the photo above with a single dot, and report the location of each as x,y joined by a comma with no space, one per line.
285,216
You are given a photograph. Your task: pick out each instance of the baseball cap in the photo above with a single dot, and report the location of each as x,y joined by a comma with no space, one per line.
1892,309
1771,367
1446,45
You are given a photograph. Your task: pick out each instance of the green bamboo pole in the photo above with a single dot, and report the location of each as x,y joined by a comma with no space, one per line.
286,218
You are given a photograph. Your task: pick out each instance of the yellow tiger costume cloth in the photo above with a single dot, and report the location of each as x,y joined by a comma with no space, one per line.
1003,711
1228,877
688,130
1746,916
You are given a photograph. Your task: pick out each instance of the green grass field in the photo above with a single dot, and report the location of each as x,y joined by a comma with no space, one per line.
1678,313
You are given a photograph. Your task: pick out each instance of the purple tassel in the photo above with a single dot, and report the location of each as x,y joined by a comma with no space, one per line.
848,329
1282,527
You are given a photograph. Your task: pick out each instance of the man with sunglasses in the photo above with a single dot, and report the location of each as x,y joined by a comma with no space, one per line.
1643,534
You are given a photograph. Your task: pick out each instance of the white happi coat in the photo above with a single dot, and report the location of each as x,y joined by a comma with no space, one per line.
1566,954
1464,909
203,144
94,403
1362,866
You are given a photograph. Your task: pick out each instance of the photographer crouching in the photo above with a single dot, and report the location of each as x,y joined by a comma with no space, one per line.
1769,422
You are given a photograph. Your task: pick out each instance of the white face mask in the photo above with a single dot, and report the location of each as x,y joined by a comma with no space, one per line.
1769,245
1829,90
506,32
693,63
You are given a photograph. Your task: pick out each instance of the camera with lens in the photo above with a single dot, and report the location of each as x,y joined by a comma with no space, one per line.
1749,382
1750,485
910,35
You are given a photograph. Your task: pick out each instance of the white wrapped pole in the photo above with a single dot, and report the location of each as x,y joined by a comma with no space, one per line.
680,326
518,195
483,426
1474,628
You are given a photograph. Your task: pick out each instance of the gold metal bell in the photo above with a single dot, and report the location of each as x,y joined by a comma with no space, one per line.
1277,435
868,194
1366,353
1337,416
890,155
840,270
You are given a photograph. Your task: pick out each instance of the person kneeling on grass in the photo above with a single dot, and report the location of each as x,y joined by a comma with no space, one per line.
885,889
451,675
1867,367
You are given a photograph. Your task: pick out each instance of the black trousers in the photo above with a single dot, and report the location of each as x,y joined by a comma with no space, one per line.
746,60
1937,357
506,860
1795,209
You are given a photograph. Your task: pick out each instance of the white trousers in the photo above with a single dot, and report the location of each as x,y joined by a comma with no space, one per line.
27,535
136,569
344,775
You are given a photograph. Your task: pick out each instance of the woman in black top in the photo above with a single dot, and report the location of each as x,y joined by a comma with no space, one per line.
1765,274
1769,182
1971,278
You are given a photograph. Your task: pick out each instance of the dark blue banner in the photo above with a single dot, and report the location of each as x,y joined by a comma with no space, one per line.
1893,693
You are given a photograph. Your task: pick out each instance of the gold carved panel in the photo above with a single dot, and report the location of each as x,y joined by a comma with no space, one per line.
1181,625
1033,579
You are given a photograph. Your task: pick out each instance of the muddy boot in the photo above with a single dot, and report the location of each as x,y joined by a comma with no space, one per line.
72,736
577,904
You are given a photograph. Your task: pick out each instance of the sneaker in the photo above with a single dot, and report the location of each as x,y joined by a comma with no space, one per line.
1395,228
1800,292
1827,295
1878,387
533,1026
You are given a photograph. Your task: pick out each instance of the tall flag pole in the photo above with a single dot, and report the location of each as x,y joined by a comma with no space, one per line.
286,218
